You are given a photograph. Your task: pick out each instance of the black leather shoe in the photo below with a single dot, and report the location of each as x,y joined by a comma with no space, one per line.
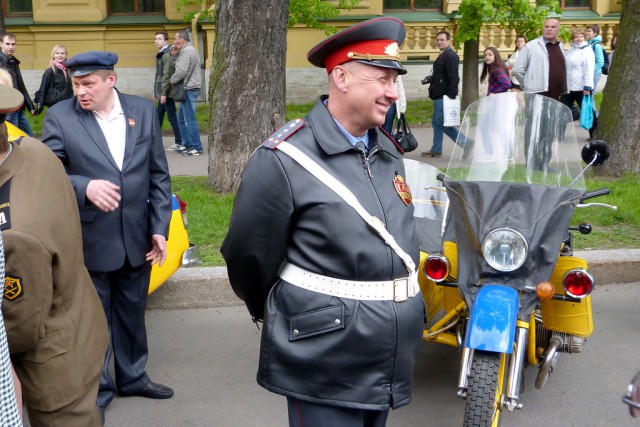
152,391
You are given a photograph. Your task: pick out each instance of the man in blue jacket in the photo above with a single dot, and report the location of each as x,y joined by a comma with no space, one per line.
111,147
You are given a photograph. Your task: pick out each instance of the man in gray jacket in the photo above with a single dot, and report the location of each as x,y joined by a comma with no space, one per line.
541,69
541,66
343,314
188,71
162,87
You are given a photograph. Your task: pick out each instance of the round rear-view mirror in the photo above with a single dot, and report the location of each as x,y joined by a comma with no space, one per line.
598,150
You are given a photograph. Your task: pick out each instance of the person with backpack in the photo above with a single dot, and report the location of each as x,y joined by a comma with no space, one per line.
592,34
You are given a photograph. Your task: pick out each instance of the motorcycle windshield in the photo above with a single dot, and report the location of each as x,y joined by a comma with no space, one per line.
430,202
518,137
523,172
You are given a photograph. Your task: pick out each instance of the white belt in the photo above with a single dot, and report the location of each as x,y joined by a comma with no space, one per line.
397,290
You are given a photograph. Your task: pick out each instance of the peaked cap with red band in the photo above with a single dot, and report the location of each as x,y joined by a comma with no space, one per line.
374,42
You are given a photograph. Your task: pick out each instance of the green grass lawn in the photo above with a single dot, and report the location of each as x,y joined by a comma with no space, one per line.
209,213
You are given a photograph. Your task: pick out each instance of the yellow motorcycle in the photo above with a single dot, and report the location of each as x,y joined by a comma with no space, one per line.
498,275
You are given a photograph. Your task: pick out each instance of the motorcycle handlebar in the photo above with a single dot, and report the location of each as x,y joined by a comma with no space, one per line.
592,194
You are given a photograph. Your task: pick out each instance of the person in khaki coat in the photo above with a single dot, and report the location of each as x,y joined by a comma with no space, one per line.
56,328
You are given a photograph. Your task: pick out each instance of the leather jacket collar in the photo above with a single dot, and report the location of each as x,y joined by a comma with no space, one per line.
331,140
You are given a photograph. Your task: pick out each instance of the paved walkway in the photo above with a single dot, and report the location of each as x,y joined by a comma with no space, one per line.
185,166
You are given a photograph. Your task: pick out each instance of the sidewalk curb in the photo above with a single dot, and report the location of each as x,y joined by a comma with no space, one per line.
204,287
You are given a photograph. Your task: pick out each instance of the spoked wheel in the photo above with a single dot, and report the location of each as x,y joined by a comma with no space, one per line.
486,386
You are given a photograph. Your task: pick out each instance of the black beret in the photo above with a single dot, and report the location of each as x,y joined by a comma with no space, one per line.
89,62
373,42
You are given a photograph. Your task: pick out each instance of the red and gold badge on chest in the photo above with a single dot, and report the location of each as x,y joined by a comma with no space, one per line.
403,189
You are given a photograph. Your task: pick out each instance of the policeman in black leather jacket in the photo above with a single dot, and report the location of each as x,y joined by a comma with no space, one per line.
341,352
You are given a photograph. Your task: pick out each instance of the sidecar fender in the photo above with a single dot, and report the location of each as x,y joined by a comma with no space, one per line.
492,322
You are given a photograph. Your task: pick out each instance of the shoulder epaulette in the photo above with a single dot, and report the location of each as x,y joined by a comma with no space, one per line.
283,133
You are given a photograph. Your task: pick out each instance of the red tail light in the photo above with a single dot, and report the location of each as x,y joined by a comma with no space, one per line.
436,267
578,283
183,210
182,204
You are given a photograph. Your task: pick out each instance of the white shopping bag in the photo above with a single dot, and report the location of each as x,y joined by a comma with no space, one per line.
451,108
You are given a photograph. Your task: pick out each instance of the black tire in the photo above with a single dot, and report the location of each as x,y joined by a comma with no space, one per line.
485,389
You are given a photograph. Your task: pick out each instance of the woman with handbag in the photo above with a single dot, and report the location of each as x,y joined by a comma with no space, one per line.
580,62
56,82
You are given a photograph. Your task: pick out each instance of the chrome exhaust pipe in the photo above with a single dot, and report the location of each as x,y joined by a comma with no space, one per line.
549,361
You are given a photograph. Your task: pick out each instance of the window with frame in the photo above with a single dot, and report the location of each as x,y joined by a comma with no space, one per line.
415,5
575,4
17,7
135,7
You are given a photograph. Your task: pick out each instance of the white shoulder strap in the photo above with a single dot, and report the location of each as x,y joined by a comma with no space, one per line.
326,178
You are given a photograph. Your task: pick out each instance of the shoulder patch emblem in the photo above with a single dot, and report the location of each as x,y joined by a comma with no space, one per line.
283,133
12,287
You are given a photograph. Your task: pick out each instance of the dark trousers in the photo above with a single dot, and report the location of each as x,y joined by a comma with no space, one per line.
576,96
389,119
305,414
19,119
172,115
538,142
123,294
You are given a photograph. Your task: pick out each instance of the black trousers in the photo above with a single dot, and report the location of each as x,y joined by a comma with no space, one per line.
305,414
576,96
172,115
123,294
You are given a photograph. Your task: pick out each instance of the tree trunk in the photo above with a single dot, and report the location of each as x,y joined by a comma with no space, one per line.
470,73
619,121
247,84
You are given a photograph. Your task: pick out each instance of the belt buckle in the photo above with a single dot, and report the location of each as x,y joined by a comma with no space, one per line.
401,289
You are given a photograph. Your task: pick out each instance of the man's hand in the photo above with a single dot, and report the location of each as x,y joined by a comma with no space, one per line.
104,194
158,252
163,99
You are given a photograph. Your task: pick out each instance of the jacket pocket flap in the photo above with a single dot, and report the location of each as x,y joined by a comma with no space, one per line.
48,347
316,322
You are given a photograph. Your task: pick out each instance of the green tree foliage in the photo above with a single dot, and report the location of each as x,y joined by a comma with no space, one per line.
313,13
310,13
520,15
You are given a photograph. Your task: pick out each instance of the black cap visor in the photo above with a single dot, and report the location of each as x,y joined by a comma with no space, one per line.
83,71
385,63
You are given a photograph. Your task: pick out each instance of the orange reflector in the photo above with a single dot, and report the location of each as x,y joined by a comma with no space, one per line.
545,290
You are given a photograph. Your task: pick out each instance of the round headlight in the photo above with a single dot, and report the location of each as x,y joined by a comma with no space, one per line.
505,249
